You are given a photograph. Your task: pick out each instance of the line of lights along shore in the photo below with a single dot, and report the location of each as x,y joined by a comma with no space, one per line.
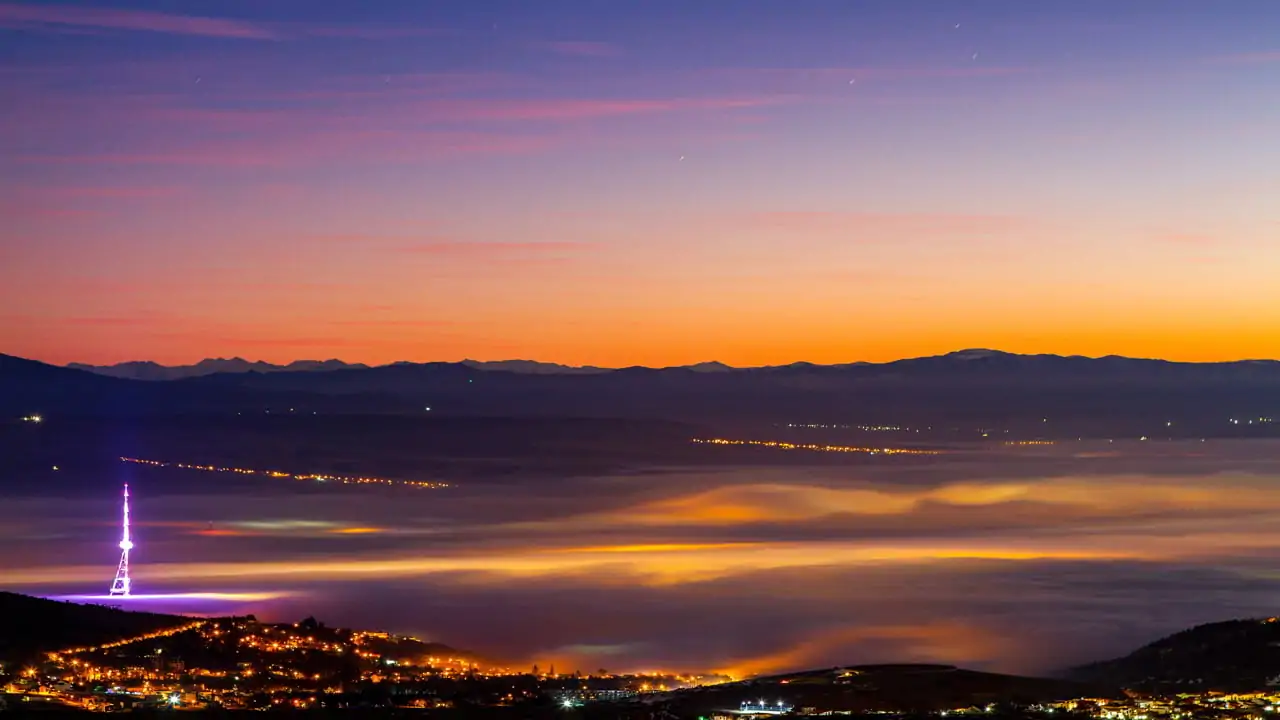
120,587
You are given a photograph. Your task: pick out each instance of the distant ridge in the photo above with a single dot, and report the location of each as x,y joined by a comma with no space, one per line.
1081,395
533,367
709,367
148,370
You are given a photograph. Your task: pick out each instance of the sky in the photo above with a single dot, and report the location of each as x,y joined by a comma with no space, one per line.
1013,559
617,183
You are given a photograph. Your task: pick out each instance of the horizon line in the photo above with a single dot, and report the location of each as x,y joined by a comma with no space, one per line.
468,360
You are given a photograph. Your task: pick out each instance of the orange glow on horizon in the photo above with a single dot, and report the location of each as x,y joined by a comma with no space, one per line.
660,333
664,565
1188,345
659,547
939,643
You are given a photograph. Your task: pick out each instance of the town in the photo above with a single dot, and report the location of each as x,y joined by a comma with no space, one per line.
240,663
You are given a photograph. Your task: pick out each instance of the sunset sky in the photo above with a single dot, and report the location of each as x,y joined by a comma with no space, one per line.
619,183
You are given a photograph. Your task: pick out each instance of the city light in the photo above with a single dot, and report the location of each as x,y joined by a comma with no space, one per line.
316,477
779,445
166,667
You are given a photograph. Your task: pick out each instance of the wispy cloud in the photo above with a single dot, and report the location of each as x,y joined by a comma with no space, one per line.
581,48
80,19
60,17
400,85
14,211
577,109
393,108
1249,58
995,542
392,323
1184,238
895,223
105,192
248,124
116,321
285,342
858,74
463,249
355,145
108,321
369,32
205,279
950,641
215,159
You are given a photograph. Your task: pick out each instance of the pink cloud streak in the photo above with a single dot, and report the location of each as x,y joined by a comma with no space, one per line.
458,248
889,222
1185,238
117,19
388,147
841,75
99,193
106,321
288,342
78,19
416,111
582,48
1252,58
573,109
289,136
393,323
370,32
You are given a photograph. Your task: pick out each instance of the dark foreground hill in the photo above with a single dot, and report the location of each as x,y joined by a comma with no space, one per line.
1232,656
31,626
885,688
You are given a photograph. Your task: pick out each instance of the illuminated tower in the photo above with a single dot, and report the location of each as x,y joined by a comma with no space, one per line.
120,586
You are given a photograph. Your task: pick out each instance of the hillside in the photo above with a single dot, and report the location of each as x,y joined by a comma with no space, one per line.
1237,655
31,626
893,688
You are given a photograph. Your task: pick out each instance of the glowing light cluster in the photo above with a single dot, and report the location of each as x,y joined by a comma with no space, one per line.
1030,442
816,447
269,660
864,428
167,632
317,477
121,586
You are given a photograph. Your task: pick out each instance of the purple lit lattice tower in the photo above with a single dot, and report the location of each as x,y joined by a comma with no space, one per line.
120,586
